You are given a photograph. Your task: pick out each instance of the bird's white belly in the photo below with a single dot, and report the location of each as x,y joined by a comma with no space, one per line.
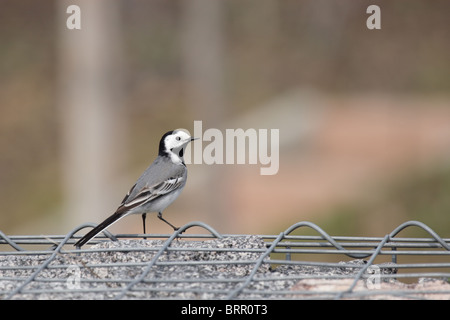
159,204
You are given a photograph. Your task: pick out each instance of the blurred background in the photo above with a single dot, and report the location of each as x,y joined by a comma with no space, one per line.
364,115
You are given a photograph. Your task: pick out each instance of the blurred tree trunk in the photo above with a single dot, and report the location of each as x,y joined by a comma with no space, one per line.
203,59
90,79
203,51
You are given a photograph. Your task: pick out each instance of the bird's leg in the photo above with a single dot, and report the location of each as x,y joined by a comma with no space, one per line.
144,215
161,218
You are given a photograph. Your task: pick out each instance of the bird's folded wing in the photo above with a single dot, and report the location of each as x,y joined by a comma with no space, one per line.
149,193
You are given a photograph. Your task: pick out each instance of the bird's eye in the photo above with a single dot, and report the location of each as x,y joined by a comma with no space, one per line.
178,138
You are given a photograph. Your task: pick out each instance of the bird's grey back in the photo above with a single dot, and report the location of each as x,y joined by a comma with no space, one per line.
160,170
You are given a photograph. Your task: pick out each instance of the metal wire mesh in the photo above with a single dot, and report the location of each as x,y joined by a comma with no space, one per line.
214,266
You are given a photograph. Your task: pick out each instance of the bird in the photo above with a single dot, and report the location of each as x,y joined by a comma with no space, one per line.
158,186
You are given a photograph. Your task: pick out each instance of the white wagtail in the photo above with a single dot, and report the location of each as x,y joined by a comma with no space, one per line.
159,185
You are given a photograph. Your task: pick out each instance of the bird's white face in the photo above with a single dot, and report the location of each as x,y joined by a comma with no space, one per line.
175,144
176,140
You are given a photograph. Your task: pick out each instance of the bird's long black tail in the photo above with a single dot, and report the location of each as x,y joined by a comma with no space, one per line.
108,221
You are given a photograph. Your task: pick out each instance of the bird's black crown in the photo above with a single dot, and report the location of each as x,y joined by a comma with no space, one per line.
162,147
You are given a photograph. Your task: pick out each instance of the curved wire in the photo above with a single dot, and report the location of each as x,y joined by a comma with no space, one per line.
325,236
366,266
424,227
46,263
93,225
386,239
389,237
161,251
258,263
280,237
